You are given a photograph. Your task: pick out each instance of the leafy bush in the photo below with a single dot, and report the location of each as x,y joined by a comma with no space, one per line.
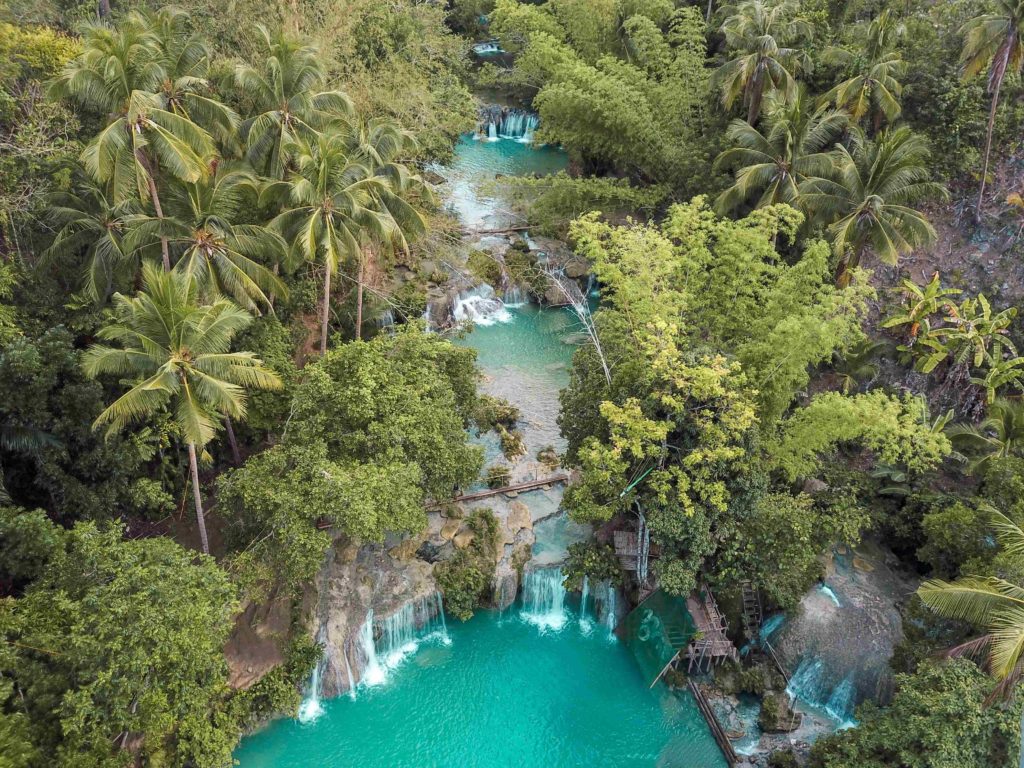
465,578
592,559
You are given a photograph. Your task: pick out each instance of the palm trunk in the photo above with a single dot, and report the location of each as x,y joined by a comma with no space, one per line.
104,8
155,197
325,310
359,298
236,456
988,145
200,519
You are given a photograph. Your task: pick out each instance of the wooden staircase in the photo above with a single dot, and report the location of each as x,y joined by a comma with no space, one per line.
752,613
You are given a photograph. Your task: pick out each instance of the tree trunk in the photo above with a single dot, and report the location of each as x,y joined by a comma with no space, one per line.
236,456
359,298
104,8
988,146
200,519
708,22
325,311
156,206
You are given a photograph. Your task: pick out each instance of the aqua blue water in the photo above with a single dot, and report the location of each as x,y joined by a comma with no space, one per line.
502,694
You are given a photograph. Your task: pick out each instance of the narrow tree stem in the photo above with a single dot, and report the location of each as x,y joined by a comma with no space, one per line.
325,310
236,455
155,197
200,518
988,148
359,298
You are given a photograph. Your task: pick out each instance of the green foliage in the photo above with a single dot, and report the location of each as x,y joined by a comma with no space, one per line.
28,541
896,429
484,266
277,692
493,412
123,637
401,400
777,545
591,559
465,578
271,341
939,718
498,476
957,541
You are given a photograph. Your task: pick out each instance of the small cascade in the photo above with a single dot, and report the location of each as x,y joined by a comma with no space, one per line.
769,625
808,684
480,305
608,617
373,672
585,624
508,123
487,48
592,289
311,708
348,675
384,643
515,296
544,598
826,590
386,319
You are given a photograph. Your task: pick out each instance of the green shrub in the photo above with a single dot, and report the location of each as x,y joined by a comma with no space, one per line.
592,559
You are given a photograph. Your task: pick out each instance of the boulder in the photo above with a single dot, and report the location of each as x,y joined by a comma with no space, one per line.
576,268
777,715
450,528
553,296
406,550
813,485
463,539
518,517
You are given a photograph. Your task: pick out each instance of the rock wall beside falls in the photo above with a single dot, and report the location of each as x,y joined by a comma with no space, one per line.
354,582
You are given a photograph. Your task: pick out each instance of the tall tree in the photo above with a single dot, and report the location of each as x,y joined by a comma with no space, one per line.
994,41
207,243
330,201
178,352
874,66
291,101
762,36
867,201
91,225
993,605
382,144
119,74
771,165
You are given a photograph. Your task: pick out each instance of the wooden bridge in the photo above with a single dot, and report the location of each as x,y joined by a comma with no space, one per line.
525,485
713,646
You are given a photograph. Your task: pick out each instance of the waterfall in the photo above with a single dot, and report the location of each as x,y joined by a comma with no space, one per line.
311,708
488,48
585,624
385,643
373,672
481,306
348,674
544,598
386,319
826,590
769,625
509,123
609,609
515,296
808,684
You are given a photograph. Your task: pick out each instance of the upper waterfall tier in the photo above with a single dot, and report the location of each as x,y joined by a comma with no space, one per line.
508,123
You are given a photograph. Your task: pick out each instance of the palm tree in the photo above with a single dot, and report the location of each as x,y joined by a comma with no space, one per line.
185,59
380,144
867,201
290,101
761,32
858,364
993,605
90,224
330,201
119,73
873,88
178,353
772,165
206,243
1000,435
995,41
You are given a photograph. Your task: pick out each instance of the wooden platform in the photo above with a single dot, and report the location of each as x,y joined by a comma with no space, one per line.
713,646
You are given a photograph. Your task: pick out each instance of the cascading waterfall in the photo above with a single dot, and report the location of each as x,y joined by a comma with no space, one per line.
488,48
544,598
311,708
830,593
808,684
386,319
608,608
385,643
480,305
509,123
585,624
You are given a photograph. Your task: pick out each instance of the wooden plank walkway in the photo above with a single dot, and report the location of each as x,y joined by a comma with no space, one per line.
714,645
717,731
527,485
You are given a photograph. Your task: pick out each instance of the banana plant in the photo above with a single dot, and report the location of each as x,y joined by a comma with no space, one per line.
920,303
